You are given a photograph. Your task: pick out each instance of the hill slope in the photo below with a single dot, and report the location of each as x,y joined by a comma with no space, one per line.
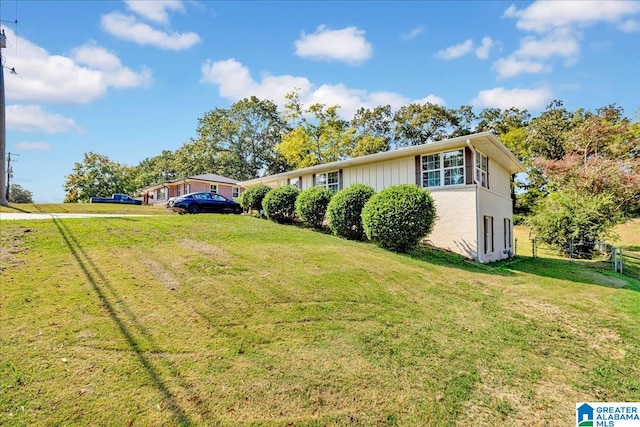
231,320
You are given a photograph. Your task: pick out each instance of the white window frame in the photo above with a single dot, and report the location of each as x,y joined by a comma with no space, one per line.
437,170
235,192
187,188
213,188
329,180
482,169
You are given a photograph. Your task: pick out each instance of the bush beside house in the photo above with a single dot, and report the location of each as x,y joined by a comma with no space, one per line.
344,212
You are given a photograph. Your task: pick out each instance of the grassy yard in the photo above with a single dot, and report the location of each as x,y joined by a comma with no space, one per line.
234,321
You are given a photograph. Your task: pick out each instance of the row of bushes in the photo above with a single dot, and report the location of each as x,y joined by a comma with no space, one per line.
396,218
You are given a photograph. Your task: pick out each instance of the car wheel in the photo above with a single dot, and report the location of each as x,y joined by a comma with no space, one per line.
193,209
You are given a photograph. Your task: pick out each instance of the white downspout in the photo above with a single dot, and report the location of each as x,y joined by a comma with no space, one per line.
479,224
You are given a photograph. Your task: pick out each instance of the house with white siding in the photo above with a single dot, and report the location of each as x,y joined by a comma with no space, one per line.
469,178
159,194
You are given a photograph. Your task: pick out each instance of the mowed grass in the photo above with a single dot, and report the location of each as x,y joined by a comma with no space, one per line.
223,320
90,208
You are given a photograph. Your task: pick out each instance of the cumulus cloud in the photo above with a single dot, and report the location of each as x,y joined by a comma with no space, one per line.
542,16
512,66
630,26
155,11
234,82
32,146
506,98
80,78
347,45
456,51
32,118
483,50
128,28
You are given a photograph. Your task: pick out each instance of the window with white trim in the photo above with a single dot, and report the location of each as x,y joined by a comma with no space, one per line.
161,193
295,182
187,188
330,180
443,169
213,188
488,234
235,192
482,169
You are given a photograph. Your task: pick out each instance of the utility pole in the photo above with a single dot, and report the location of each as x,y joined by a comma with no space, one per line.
9,174
3,128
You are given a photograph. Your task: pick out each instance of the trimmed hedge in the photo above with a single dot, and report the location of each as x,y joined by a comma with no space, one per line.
311,205
345,210
399,216
280,204
252,197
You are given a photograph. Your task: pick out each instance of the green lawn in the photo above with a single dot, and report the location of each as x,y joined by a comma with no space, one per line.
226,320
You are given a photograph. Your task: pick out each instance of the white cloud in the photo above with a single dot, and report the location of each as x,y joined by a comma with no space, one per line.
456,51
32,146
128,28
519,98
413,33
560,43
156,10
234,82
347,45
630,26
75,79
542,16
512,66
32,118
483,50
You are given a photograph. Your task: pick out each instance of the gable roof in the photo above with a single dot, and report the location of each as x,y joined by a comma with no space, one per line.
207,177
487,142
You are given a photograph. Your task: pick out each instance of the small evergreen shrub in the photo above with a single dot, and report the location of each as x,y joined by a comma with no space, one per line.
311,205
252,197
345,210
399,216
280,204
240,200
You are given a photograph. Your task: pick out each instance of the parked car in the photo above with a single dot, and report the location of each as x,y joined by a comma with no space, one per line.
204,202
170,201
116,198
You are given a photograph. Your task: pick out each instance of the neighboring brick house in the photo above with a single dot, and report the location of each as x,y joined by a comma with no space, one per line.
158,194
469,179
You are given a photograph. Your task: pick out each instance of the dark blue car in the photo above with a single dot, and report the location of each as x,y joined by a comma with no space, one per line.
194,203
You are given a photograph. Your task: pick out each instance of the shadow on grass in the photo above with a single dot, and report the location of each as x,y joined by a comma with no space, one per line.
102,288
15,208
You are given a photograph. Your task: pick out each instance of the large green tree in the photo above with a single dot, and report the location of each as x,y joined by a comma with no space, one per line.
417,124
97,176
17,194
318,134
373,130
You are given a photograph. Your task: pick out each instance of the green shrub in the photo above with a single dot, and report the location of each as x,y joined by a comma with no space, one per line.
252,197
280,204
311,205
345,210
573,221
398,217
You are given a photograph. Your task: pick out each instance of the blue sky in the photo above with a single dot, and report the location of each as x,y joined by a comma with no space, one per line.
128,79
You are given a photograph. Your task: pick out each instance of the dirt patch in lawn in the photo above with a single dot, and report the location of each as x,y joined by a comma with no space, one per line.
11,246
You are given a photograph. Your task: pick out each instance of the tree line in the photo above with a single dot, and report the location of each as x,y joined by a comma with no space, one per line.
580,152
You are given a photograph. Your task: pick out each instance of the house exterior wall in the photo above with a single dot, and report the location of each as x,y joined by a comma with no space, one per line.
456,222
472,220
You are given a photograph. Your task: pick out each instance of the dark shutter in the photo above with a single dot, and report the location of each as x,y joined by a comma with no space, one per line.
288,181
418,171
300,182
314,180
468,165
340,179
